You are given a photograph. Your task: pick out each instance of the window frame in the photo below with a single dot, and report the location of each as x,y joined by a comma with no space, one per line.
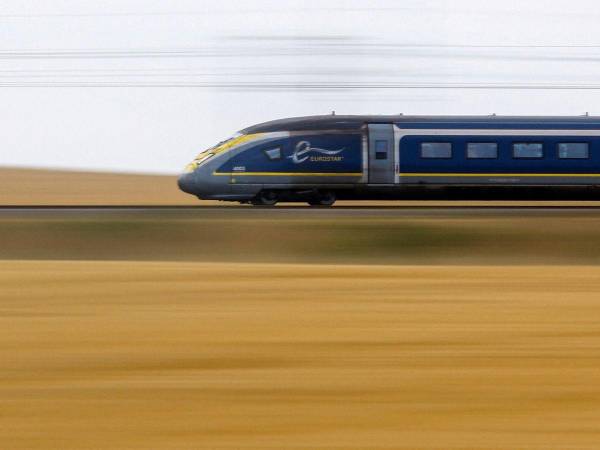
588,148
514,144
436,157
480,143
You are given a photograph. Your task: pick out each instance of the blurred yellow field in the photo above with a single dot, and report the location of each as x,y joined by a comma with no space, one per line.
49,187
198,355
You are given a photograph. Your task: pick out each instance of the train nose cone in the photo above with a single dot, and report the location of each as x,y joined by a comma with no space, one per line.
187,183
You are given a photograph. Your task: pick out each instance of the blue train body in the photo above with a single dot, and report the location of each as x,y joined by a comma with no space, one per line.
319,159
504,161
325,153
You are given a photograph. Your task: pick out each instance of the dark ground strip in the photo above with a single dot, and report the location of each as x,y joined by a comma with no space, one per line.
402,235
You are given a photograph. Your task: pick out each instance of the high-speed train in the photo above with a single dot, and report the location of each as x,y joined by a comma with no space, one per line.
320,159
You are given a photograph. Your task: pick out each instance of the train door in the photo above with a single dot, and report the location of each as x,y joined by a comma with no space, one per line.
381,154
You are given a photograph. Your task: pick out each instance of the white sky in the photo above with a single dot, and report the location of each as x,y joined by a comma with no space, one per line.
267,46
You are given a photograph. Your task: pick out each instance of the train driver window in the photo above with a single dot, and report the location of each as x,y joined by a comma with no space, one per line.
528,150
574,151
381,149
438,150
273,154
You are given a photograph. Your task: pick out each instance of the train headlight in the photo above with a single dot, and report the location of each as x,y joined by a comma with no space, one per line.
191,167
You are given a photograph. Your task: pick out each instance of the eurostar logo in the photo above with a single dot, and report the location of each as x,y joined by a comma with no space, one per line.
304,152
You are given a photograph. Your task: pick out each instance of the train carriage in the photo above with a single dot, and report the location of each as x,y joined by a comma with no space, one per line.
319,159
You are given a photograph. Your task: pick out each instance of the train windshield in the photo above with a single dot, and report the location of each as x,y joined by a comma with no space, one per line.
215,147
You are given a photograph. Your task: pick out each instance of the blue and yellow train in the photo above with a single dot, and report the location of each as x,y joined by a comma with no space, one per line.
320,159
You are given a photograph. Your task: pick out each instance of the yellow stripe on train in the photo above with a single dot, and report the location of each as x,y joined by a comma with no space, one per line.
286,174
513,175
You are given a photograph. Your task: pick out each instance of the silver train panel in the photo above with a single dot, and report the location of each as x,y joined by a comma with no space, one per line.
382,155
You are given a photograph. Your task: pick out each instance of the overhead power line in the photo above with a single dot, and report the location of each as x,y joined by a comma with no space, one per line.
101,53
109,14
251,86
308,46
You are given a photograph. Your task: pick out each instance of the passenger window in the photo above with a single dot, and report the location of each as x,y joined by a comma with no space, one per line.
273,153
381,149
527,150
442,150
381,146
574,151
482,150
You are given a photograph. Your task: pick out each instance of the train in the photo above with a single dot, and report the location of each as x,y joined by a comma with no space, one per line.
320,159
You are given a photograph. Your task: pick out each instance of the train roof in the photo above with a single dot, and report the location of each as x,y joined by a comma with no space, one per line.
335,122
